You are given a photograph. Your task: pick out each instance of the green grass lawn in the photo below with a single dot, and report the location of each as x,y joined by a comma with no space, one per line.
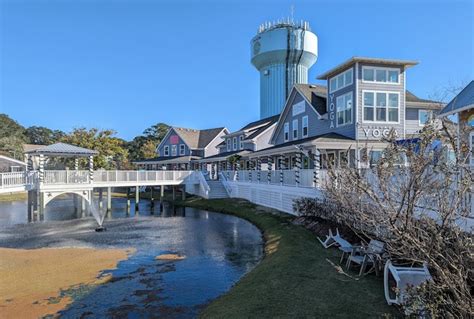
13,197
295,278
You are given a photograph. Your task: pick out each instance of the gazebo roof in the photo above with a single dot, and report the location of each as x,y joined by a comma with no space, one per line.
62,149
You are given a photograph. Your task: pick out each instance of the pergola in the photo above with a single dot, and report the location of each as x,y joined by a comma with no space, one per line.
60,150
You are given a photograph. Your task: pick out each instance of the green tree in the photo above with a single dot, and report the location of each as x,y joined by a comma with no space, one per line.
144,146
12,137
43,135
112,151
156,132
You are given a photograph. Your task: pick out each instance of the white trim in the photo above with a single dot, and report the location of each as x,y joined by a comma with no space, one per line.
303,126
352,108
365,67
234,143
343,74
386,107
164,139
166,149
241,141
13,160
423,110
218,135
228,143
183,150
459,110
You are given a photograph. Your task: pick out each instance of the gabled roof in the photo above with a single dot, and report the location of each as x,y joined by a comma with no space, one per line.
353,60
197,139
62,149
461,102
315,94
265,121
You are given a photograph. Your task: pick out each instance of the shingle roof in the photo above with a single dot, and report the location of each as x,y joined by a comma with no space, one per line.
323,137
62,149
197,138
463,101
265,121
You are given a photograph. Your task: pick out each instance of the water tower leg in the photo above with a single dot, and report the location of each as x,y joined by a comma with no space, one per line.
137,198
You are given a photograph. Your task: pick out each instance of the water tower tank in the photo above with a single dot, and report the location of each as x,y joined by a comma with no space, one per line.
282,52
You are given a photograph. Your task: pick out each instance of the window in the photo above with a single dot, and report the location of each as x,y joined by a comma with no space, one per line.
181,149
381,106
241,141
304,126
229,145
295,129
344,109
375,157
166,151
341,80
286,131
424,116
174,149
380,75
235,143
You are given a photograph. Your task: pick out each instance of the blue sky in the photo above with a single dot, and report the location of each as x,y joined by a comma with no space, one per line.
126,65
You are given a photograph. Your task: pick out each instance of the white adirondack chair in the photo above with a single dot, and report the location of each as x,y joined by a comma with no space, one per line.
404,277
332,240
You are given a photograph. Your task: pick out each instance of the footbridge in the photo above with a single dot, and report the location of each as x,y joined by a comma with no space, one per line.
44,186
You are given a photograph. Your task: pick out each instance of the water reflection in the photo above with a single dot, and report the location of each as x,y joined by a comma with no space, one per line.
65,207
219,249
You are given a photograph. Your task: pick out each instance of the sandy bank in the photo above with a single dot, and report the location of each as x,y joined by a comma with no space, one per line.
34,283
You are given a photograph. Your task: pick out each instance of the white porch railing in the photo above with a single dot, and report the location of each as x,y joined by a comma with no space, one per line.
66,177
141,176
289,177
17,179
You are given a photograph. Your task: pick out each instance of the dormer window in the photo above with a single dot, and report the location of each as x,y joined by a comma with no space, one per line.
166,151
304,126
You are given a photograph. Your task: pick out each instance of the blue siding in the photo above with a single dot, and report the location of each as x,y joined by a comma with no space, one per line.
167,142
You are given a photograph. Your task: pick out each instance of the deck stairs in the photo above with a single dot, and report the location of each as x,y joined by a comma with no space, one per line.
217,189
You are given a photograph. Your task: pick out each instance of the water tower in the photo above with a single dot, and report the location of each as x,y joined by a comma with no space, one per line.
282,52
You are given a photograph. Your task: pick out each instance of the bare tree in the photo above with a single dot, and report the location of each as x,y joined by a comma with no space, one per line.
420,210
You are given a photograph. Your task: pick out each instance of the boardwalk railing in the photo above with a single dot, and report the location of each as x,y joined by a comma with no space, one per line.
72,177
17,179
274,177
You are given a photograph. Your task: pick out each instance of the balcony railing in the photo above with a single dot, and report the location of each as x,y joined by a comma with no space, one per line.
274,177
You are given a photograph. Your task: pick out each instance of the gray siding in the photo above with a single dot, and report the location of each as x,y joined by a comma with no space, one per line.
367,130
167,142
263,140
211,148
315,126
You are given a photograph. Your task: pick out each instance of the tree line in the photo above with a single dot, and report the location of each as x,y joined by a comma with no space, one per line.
114,152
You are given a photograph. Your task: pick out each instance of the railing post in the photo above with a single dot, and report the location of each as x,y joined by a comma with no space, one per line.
269,168
91,169
317,167
298,167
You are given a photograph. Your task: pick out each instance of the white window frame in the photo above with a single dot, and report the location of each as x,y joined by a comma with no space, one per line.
375,68
174,150
166,150
286,131
241,142
303,126
343,75
234,143
419,117
375,106
294,128
471,145
229,144
182,149
343,96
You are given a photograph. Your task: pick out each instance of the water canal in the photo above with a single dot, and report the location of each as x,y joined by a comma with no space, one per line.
218,250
